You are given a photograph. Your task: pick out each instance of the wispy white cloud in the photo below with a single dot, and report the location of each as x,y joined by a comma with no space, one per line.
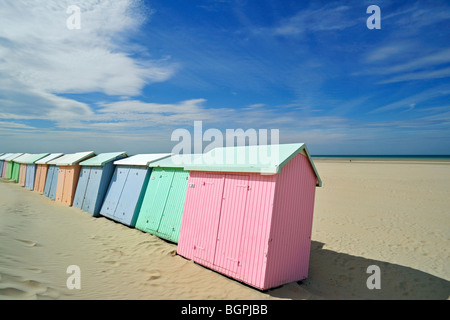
327,18
41,58
429,60
418,15
416,99
422,75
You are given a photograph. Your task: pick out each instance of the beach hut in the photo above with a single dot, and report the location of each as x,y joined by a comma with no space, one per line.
163,203
68,173
20,169
17,165
8,169
51,181
31,169
2,163
248,213
26,168
95,176
20,174
126,189
42,170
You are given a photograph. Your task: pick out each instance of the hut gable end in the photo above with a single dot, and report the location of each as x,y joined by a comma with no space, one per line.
290,234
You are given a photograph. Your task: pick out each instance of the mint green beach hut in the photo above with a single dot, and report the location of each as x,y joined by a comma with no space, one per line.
10,164
163,203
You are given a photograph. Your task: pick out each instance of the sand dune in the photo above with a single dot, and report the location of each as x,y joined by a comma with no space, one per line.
391,214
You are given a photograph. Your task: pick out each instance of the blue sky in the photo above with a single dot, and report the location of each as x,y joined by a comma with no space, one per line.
138,70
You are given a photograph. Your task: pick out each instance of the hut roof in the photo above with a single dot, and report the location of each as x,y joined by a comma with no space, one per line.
32,158
71,159
175,161
142,159
6,155
264,159
102,158
13,156
21,158
48,158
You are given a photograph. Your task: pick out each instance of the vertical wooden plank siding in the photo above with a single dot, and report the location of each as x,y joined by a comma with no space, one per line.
3,171
81,187
67,183
195,213
92,187
8,172
229,235
15,171
244,225
30,176
256,228
52,181
124,197
96,190
114,191
290,236
2,162
162,207
37,177
60,184
210,189
154,200
132,196
41,178
22,174
70,183
5,165
169,227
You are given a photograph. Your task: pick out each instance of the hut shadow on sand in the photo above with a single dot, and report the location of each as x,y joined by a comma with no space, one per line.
340,276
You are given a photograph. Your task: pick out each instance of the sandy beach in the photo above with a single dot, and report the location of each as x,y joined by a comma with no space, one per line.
391,214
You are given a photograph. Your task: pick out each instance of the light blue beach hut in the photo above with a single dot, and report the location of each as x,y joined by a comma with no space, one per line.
51,181
95,176
127,187
31,169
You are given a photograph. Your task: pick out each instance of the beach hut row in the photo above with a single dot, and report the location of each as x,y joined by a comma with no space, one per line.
248,219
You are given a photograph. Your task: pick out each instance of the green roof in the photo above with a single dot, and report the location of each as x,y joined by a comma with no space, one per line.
32,158
264,159
174,161
103,158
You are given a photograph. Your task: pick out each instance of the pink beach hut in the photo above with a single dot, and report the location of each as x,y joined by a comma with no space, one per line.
248,213
3,164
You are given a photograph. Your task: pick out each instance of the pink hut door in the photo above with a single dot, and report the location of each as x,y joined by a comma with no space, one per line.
208,214
231,221
219,230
